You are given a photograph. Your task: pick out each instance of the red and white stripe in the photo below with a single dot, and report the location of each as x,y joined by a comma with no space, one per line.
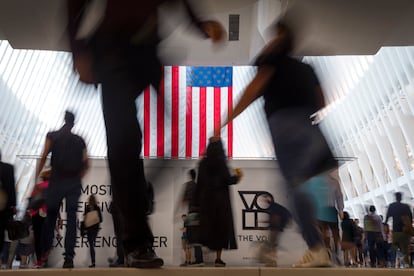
178,121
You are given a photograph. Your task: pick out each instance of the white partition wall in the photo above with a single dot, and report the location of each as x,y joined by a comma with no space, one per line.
168,178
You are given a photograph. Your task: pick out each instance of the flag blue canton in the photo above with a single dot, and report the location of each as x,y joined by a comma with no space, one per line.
209,76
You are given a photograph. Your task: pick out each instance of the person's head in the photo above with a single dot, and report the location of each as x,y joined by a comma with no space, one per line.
398,196
284,34
215,149
356,221
346,215
92,200
45,174
192,174
268,198
183,216
372,209
69,118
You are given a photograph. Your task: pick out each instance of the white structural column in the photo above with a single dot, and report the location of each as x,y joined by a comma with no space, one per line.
372,120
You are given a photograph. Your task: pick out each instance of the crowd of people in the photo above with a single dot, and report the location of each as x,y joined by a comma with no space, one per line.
120,53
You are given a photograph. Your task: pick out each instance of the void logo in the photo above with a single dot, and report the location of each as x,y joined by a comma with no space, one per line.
255,211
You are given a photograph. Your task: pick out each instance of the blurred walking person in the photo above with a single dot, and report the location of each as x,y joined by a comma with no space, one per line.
39,213
187,199
292,94
7,197
375,237
400,239
69,163
121,54
279,217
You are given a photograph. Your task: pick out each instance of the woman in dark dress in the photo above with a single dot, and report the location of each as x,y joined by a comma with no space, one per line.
213,195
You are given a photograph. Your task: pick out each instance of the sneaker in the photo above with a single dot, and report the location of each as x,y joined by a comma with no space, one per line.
145,258
197,264
91,266
314,258
42,263
68,263
116,264
184,264
219,263
23,266
271,264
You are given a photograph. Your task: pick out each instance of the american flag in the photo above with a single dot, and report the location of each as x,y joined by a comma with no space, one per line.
179,119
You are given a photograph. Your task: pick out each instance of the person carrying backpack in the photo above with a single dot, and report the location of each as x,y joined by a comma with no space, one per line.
69,163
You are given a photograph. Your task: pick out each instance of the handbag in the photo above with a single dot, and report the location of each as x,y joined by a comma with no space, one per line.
193,228
36,201
91,218
3,199
17,230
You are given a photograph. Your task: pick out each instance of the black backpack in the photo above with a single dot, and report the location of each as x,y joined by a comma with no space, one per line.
67,154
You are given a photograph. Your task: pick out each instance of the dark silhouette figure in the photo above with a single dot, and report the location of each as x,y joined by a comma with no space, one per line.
400,238
92,231
69,163
292,95
213,195
121,54
7,185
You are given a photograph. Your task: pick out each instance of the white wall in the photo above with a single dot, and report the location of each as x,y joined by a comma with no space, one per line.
168,178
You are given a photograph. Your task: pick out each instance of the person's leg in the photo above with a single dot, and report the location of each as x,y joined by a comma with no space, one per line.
5,253
127,171
379,249
335,235
188,253
3,221
219,262
23,260
91,241
273,244
361,255
198,254
323,226
37,222
54,196
371,249
297,157
305,215
118,234
183,246
72,197
404,242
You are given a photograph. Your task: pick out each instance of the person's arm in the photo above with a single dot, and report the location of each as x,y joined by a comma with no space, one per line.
75,10
46,149
388,215
12,190
99,213
82,58
339,198
85,163
253,91
320,97
210,28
